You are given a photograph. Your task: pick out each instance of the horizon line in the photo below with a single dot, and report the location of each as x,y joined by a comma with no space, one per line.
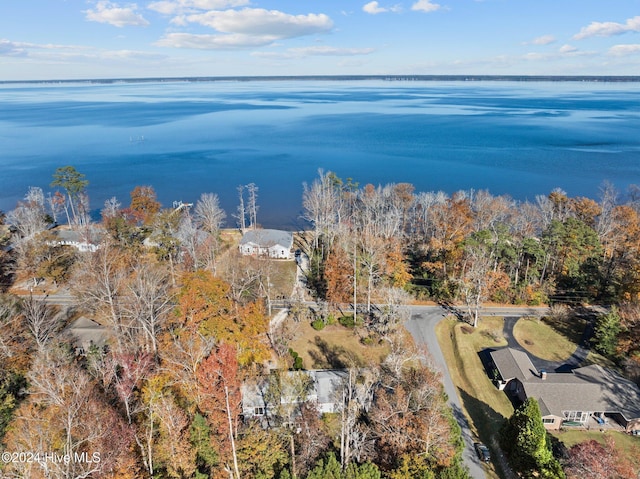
406,77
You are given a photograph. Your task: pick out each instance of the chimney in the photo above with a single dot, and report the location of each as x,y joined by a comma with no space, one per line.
543,374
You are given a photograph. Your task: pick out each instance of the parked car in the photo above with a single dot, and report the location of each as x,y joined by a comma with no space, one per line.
482,451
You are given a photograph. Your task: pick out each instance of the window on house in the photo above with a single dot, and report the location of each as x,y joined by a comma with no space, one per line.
548,420
578,416
258,411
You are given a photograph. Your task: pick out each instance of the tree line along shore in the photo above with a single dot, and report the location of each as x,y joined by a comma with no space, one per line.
188,323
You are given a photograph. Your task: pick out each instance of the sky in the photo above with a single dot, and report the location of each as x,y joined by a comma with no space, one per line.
85,39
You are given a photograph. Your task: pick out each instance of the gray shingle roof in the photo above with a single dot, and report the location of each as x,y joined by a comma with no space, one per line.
512,363
323,388
267,238
85,332
590,388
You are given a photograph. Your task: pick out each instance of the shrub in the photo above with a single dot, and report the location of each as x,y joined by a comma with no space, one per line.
367,340
297,360
318,324
347,321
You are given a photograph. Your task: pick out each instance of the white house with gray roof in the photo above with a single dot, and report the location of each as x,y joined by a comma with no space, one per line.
285,390
573,398
84,239
271,243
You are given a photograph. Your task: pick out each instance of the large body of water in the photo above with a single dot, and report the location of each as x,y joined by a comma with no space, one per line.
187,138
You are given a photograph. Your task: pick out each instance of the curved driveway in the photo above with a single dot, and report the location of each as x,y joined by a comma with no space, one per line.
576,360
422,325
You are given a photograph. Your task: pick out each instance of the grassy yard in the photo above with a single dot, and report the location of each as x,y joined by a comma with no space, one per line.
549,339
484,403
283,277
334,346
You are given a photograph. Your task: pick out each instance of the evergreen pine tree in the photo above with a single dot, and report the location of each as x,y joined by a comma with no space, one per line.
524,439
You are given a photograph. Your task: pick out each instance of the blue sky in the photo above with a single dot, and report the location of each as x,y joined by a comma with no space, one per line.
78,39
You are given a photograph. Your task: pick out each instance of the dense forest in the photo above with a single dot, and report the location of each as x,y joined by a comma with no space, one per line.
189,324
471,247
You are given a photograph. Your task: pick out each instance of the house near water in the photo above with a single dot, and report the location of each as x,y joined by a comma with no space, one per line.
271,243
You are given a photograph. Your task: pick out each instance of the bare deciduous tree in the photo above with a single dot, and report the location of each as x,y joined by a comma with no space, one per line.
148,302
208,214
253,205
29,217
99,286
241,214
41,320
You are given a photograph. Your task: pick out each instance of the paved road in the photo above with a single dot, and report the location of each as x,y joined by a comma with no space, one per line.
422,325
61,298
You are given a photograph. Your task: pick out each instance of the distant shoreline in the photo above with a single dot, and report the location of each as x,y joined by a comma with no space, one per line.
460,78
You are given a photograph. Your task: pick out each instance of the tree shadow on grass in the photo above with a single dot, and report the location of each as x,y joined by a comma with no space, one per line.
488,364
332,356
487,422
577,327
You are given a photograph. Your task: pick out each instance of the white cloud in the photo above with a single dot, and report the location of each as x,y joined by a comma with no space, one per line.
543,40
11,49
535,56
332,51
128,55
425,6
263,23
624,50
316,51
214,42
373,8
171,7
111,13
65,55
567,49
608,29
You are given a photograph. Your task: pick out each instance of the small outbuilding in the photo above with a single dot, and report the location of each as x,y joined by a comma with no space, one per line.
267,242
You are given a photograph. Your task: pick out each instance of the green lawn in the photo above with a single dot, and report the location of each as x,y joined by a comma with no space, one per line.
548,340
483,402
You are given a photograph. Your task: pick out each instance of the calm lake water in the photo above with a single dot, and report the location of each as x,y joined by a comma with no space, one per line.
187,138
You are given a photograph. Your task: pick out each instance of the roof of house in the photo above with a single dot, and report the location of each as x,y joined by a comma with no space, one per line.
327,383
84,235
267,238
86,331
512,363
590,388
323,387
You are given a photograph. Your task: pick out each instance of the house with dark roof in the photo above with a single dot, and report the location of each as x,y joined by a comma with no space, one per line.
572,398
271,243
